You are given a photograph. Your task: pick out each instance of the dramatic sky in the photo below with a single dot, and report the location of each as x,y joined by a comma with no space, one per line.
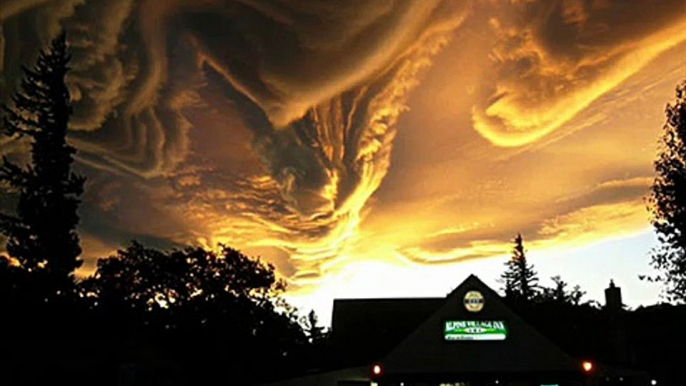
367,148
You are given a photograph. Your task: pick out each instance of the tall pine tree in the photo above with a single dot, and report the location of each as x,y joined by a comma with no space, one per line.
520,279
667,202
41,235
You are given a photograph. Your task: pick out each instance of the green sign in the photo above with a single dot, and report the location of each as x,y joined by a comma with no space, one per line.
475,330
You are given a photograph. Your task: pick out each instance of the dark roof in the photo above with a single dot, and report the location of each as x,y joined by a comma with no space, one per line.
406,335
364,330
523,351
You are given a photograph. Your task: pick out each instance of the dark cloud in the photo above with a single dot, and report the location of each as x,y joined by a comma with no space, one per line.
304,95
269,125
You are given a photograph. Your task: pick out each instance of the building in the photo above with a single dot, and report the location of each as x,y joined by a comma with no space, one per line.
469,338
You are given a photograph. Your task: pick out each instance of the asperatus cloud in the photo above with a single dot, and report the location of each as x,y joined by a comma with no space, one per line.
315,133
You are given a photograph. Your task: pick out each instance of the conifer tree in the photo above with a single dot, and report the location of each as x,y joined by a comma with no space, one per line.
520,279
41,234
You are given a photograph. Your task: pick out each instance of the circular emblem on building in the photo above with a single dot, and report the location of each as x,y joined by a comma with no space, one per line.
473,301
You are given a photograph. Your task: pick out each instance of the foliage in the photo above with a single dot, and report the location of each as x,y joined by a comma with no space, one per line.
183,286
203,307
187,316
520,279
41,236
667,202
559,293
316,334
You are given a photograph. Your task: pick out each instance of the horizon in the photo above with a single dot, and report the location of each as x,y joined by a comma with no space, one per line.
635,292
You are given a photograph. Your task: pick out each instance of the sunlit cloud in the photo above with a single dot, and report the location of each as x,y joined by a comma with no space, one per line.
332,138
560,57
589,222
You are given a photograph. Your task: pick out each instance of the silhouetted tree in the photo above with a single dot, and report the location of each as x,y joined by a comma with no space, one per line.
149,279
667,202
316,334
559,293
41,236
201,308
520,279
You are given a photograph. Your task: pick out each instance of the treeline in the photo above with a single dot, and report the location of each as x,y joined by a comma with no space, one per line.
181,317
580,327
145,317
642,339
521,282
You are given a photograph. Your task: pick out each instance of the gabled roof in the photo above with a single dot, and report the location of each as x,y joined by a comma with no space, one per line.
523,351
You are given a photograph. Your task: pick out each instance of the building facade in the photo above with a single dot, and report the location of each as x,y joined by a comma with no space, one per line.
468,338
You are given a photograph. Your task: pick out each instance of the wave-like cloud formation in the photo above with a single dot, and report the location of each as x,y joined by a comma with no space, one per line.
554,58
269,124
317,85
576,221
322,168
136,64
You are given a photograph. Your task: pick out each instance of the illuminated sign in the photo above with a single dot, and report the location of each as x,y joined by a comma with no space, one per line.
473,301
475,330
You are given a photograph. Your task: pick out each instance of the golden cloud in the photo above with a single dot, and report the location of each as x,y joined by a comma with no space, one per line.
560,57
595,222
289,129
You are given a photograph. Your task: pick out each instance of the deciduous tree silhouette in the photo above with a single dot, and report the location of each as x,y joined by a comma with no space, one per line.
520,279
667,202
220,312
41,235
149,279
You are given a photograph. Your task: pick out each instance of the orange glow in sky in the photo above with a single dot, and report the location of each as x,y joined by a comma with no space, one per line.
381,149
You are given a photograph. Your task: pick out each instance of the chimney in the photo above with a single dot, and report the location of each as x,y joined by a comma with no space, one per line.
613,309
613,298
